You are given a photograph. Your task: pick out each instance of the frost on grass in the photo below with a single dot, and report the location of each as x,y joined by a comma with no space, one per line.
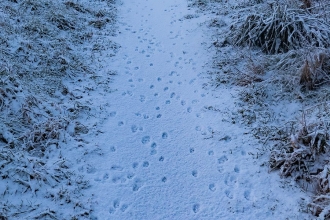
42,44
281,29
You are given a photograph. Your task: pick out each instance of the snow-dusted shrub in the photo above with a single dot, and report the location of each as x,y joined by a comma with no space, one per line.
282,29
305,157
306,145
316,70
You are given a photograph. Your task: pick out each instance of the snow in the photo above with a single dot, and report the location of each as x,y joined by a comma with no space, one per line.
164,155
154,142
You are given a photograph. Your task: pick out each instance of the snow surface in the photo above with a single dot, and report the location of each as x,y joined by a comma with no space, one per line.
147,145
164,156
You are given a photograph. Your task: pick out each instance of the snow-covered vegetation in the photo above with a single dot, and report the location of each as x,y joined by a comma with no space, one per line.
277,51
45,44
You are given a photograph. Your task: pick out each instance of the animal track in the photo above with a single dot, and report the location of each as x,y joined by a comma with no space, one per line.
191,150
113,114
159,115
168,102
222,159
247,195
124,207
230,180
145,139
112,210
172,94
166,88
220,169
116,204
112,148
121,123
236,169
212,187
130,175
135,165
194,173
105,176
134,128
161,159
189,109
229,194
142,98
196,208
164,135
137,185
173,73
164,179
183,102
145,164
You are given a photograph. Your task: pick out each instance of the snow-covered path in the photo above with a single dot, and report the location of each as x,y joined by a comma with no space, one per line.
163,155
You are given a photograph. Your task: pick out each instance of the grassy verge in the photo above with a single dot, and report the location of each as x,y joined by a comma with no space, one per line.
45,44
276,55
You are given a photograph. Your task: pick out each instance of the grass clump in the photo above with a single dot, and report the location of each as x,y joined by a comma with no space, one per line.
282,29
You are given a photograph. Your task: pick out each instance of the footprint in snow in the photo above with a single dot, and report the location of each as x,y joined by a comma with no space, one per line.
212,187
229,194
137,185
145,164
142,98
164,135
196,208
145,139
134,128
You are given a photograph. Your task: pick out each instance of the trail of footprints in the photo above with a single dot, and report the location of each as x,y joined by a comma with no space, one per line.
121,175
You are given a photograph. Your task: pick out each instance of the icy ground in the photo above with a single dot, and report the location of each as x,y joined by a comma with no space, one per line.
162,155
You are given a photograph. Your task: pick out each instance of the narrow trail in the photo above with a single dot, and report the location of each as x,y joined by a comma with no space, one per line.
164,155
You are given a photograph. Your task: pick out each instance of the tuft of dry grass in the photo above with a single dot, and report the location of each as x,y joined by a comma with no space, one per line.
283,29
